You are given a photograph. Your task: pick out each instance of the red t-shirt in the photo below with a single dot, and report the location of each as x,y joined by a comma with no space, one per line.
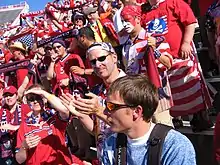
52,148
169,19
62,69
62,66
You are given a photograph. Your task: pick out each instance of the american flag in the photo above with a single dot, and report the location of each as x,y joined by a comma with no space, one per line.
28,40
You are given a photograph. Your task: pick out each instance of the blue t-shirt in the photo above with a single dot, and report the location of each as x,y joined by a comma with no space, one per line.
177,150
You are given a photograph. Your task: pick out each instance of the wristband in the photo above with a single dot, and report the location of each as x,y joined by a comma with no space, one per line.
50,97
157,53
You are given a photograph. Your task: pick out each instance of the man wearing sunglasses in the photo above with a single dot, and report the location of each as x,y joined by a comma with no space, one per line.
131,103
104,62
59,68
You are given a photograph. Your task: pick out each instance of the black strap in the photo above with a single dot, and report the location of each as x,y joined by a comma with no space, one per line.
121,149
156,141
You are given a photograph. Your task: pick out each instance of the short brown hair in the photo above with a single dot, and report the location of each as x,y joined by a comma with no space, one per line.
137,90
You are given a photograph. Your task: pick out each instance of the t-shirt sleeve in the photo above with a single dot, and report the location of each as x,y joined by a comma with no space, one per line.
216,138
178,149
183,11
21,73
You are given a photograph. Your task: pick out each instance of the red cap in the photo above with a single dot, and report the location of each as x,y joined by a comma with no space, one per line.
10,89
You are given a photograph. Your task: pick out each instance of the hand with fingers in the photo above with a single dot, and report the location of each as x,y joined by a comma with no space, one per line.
151,42
89,106
37,91
77,70
185,50
31,141
67,101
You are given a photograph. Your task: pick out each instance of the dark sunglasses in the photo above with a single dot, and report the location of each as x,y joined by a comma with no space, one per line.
8,94
112,106
100,59
34,97
58,47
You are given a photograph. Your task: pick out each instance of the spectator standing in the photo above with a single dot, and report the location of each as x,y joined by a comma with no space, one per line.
131,102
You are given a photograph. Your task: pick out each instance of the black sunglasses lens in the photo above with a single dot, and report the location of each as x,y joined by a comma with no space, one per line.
101,59
93,62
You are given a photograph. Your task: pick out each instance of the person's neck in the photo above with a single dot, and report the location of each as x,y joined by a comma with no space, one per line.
13,108
139,129
64,54
114,75
89,43
37,113
135,33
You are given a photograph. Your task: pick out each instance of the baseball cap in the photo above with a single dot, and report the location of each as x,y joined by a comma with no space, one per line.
61,42
101,45
10,89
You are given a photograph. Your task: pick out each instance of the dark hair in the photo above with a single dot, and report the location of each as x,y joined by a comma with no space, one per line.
87,32
137,90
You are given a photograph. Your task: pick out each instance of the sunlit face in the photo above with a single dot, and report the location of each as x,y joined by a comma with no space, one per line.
129,23
17,53
10,99
94,16
104,67
59,49
122,119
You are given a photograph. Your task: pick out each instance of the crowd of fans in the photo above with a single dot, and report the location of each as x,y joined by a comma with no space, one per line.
96,69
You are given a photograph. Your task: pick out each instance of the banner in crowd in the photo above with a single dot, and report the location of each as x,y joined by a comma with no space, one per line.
67,34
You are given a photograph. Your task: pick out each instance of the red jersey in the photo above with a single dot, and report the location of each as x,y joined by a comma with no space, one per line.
63,65
62,68
52,148
169,18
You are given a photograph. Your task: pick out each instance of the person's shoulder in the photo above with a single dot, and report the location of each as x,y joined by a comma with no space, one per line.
177,147
175,138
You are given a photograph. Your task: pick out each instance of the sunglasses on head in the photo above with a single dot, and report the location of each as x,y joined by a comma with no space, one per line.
58,47
112,106
34,97
100,59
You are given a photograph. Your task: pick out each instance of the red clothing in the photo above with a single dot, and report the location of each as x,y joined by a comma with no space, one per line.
52,148
62,67
169,19
216,138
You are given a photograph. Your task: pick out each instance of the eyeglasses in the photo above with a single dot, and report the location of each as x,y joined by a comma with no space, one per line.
100,59
58,47
112,106
8,95
33,97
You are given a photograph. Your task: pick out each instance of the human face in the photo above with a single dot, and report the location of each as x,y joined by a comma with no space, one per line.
36,102
49,51
120,119
17,54
10,99
105,68
78,23
59,49
93,17
129,23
